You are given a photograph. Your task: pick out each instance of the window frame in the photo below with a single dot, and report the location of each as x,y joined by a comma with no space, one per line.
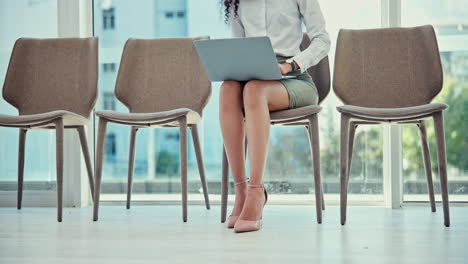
76,19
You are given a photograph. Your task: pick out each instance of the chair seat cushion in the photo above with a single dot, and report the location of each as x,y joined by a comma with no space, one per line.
392,113
296,113
43,119
146,119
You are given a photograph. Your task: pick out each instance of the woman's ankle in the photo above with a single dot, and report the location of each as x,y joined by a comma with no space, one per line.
241,195
255,182
241,190
241,186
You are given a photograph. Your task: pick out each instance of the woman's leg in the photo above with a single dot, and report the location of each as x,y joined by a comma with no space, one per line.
260,97
232,127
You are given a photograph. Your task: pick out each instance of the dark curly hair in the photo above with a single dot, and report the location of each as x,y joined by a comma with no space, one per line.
228,4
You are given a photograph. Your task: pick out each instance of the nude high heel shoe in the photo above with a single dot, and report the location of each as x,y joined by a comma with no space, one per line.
251,225
232,219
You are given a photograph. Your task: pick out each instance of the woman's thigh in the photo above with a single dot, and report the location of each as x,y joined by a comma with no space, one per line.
302,91
273,92
231,95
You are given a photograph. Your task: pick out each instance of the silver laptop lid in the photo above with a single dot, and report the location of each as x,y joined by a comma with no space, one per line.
238,59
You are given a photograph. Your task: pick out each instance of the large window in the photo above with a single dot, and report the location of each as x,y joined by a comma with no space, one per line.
157,151
289,166
35,19
450,20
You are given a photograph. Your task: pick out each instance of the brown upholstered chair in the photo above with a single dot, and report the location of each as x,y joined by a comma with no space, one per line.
304,116
390,76
53,84
164,85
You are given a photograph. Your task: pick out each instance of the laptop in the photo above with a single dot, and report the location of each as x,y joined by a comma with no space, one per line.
239,59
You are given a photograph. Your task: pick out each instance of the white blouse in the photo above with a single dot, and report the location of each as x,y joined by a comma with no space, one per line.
281,21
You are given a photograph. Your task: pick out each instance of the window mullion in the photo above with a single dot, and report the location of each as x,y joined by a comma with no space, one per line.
392,149
74,19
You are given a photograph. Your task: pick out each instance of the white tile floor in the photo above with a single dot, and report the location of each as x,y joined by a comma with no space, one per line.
156,234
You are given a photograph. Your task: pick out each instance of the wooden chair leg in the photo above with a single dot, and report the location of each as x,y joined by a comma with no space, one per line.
427,163
322,189
345,124
224,186
323,199
59,161
21,153
442,160
183,164
352,132
200,163
131,164
315,149
101,141
87,158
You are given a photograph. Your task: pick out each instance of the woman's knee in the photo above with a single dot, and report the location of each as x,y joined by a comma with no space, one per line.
254,94
230,96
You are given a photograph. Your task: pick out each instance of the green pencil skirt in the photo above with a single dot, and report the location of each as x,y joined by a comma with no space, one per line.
301,89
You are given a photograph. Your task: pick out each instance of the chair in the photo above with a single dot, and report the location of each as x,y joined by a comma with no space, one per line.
164,85
390,76
53,84
304,116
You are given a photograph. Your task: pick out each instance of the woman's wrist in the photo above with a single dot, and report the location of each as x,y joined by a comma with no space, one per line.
293,66
297,65
293,63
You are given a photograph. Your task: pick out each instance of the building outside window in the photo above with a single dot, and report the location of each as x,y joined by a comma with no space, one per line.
109,101
111,148
172,14
170,18
169,14
108,18
108,67
180,14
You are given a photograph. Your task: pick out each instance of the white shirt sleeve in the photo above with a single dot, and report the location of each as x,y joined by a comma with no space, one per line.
320,41
237,29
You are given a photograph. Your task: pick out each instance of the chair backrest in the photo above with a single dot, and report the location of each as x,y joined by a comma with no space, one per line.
387,68
320,73
162,74
53,74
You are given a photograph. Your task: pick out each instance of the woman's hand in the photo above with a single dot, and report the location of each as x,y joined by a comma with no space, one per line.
285,68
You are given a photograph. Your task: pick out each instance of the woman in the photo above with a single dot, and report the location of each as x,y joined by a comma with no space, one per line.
281,21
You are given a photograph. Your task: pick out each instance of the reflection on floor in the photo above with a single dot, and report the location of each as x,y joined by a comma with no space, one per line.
156,234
